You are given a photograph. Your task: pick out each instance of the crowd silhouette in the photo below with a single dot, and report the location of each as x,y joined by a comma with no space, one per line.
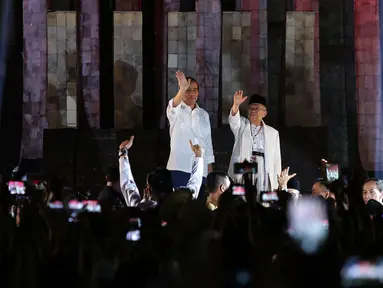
63,239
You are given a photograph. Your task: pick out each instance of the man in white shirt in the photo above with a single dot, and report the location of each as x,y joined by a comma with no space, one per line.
255,141
187,121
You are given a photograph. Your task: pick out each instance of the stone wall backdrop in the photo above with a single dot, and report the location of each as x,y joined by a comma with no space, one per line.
62,73
302,91
90,65
35,77
259,48
182,33
128,70
208,49
369,89
236,65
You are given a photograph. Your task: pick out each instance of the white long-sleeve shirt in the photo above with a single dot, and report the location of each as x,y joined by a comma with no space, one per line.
132,194
187,124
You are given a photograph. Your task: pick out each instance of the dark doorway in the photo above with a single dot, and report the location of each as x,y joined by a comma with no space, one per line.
187,5
61,5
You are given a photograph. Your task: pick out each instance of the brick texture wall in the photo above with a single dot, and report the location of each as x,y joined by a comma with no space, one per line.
236,55
182,33
35,77
90,70
208,45
368,75
259,48
62,70
128,70
302,89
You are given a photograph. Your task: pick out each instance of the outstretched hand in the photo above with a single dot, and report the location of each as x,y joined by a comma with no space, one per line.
127,144
183,83
238,98
196,149
284,177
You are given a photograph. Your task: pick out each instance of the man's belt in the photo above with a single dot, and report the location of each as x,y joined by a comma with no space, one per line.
256,153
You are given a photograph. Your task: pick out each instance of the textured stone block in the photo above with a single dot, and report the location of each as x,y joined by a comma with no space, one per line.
182,62
173,19
127,71
172,47
191,33
368,76
182,34
90,54
61,62
236,19
208,40
61,19
236,58
173,33
137,33
301,88
245,20
191,46
181,47
237,33
191,62
173,61
191,19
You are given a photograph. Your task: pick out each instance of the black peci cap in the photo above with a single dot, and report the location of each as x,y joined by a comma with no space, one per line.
257,99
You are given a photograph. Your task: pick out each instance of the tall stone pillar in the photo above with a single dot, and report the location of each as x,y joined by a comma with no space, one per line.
369,86
90,61
35,78
208,51
259,79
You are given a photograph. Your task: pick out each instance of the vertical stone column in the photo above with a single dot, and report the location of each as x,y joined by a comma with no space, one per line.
181,47
128,98
208,47
259,79
368,76
236,68
302,89
35,77
313,6
169,6
62,70
90,58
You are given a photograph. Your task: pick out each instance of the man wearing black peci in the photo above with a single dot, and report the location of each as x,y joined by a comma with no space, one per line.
255,141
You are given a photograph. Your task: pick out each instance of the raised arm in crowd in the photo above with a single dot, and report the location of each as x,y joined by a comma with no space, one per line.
130,190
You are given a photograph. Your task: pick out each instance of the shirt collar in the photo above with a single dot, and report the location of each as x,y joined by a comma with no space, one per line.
185,106
262,124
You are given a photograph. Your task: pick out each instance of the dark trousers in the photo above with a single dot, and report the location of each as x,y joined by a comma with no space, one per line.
180,179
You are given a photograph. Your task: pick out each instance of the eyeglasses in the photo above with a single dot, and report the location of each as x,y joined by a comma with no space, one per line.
257,108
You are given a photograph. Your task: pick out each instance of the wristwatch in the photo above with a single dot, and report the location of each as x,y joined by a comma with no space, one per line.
122,152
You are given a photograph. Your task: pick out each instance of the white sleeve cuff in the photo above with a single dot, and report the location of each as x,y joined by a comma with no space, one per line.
236,117
173,109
